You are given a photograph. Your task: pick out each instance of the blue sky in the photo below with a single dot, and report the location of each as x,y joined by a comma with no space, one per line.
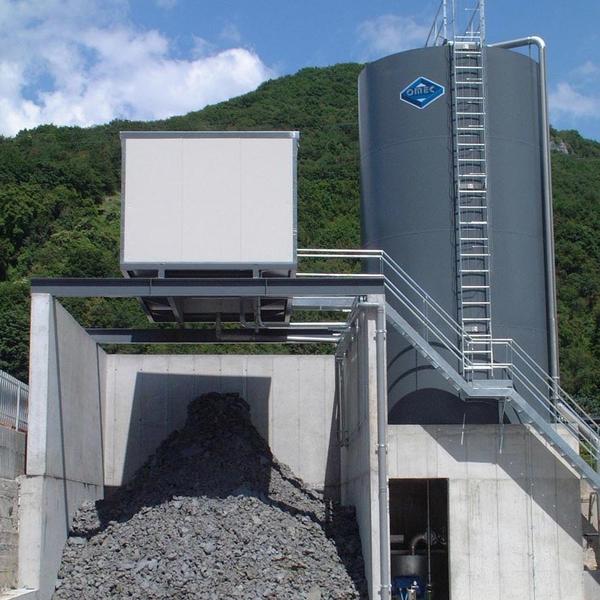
83,62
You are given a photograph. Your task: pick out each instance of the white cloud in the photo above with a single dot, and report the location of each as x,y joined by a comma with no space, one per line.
575,101
588,69
231,34
567,102
166,4
201,47
388,34
80,62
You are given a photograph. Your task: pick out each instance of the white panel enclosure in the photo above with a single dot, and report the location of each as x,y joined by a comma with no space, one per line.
208,200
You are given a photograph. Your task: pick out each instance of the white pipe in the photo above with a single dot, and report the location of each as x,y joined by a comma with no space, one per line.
312,340
534,40
313,325
341,275
382,424
382,449
18,407
335,251
382,417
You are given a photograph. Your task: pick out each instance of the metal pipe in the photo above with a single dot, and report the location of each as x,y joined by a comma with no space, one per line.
18,407
315,325
414,542
445,18
382,418
339,275
339,361
312,340
330,251
382,424
534,40
429,584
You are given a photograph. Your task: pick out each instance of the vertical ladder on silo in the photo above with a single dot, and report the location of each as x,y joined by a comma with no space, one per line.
471,210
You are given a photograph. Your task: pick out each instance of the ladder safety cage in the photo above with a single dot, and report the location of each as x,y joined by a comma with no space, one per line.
461,25
470,168
456,19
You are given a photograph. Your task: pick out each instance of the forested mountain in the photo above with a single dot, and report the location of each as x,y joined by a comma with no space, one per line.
59,208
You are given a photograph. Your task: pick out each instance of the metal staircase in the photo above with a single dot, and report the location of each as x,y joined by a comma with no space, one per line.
516,380
471,200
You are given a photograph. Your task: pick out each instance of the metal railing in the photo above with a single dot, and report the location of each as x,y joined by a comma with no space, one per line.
14,402
556,404
593,515
475,26
457,21
439,30
430,319
440,329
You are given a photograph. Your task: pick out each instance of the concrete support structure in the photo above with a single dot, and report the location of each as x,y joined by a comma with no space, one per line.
9,539
590,513
514,519
591,585
291,400
514,514
64,452
12,465
357,377
95,418
12,453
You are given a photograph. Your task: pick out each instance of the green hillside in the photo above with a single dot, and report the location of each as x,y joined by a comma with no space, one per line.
576,180
59,208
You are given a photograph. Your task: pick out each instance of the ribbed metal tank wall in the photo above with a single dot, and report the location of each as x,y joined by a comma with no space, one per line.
408,210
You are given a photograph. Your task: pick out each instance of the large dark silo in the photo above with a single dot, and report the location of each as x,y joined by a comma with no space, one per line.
408,210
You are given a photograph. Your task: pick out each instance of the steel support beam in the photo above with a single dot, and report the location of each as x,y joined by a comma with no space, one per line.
268,287
324,304
211,336
175,305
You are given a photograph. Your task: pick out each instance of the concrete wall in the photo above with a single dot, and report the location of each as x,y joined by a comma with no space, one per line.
9,490
12,453
12,464
291,400
591,585
514,514
94,419
64,450
358,413
590,513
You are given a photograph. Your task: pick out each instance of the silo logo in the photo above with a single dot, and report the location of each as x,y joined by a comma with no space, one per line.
422,92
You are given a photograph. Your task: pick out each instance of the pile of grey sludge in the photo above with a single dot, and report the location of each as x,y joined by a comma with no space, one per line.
213,515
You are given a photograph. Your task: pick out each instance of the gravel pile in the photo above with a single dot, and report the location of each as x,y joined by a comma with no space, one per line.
213,515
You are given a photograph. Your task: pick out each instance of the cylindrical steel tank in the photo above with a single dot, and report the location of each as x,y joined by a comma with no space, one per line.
408,210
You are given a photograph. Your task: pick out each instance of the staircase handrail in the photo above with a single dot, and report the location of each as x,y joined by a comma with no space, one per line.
552,384
572,421
431,327
559,404
393,286
385,259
